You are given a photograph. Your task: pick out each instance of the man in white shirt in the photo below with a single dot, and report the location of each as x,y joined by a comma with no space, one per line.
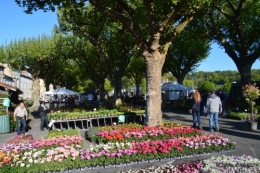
21,115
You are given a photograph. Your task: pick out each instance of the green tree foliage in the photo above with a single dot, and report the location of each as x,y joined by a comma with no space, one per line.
88,62
233,25
185,54
206,86
136,71
226,87
188,83
39,55
110,39
108,86
152,24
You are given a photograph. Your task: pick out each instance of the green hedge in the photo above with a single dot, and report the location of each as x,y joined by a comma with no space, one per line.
238,116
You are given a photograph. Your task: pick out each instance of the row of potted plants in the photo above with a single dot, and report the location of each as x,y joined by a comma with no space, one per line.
91,114
145,133
111,154
126,153
219,164
136,132
81,115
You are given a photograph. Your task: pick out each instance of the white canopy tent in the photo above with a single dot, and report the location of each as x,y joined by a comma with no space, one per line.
64,91
60,92
174,91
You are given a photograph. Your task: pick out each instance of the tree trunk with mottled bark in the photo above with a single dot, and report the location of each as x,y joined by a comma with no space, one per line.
35,94
154,62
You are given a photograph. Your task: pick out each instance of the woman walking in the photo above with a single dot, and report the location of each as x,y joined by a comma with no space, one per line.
196,110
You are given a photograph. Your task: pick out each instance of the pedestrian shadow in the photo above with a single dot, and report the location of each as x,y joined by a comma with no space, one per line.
35,114
28,127
182,119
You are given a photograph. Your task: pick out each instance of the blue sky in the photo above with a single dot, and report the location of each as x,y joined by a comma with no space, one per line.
15,24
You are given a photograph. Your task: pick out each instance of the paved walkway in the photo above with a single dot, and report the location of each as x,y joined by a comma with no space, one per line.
237,131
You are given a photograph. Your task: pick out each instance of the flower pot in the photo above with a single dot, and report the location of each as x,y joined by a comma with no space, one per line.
185,156
214,152
74,169
120,164
166,159
204,154
231,150
253,126
154,160
143,161
131,163
222,151
195,155
86,168
109,166
98,167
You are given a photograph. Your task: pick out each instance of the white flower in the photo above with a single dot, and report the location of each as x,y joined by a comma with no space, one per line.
30,160
22,165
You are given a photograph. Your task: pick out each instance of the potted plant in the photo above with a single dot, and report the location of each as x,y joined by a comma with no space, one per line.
251,93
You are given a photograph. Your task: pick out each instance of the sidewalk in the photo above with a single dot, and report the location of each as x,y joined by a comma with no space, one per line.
237,131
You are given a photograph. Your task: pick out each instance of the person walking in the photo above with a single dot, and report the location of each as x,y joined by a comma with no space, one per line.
21,115
223,99
214,107
203,103
43,115
196,110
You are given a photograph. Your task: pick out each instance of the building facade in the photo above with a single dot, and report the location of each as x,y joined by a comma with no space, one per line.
16,80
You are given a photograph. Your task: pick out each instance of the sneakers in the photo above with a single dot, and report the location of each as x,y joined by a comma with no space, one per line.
217,129
211,130
200,128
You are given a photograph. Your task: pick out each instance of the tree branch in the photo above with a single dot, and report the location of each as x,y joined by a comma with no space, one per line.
150,13
130,24
184,22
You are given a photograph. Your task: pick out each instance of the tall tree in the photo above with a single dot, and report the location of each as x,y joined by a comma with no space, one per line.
110,39
89,64
185,54
233,25
153,25
136,71
39,57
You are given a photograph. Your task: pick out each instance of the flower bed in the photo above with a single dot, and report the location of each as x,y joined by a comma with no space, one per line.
20,139
241,164
134,132
115,153
64,152
42,143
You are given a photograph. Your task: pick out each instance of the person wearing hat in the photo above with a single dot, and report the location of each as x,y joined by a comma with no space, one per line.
43,115
223,99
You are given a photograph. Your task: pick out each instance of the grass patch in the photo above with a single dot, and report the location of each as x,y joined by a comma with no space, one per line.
239,116
130,112
55,133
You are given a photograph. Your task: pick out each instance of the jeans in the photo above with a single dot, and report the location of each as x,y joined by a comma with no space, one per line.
223,113
44,118
21,122
213,116
196,117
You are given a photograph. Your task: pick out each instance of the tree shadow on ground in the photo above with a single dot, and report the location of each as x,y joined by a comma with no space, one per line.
233,128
